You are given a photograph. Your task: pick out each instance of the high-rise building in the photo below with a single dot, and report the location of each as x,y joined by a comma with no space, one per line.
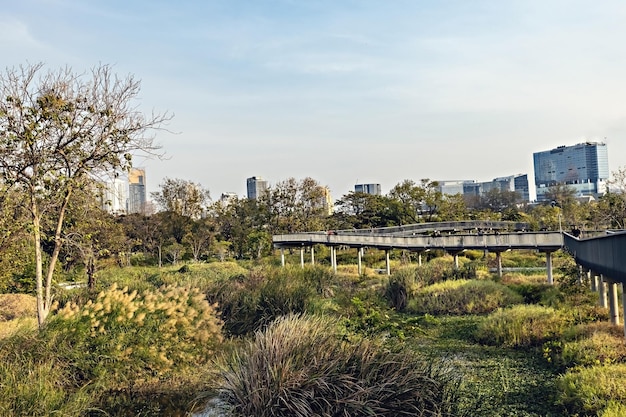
472,189
583,167
373,189
257,187
114,195
136,190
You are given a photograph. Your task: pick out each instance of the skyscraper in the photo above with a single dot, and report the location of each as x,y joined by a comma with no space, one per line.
583,167
373,189
136,190
257,187
114,195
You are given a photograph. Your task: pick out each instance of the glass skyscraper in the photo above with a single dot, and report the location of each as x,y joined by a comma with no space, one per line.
584,167
256,187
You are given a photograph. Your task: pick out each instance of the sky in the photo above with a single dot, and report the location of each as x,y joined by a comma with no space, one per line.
346,91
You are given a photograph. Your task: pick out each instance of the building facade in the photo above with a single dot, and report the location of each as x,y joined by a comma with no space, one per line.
136,191
583,167
114,195
373,189
472,189
256,187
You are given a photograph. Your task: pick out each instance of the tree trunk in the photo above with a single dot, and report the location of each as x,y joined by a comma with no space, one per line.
91,272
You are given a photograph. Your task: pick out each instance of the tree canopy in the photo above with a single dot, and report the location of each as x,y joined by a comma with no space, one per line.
59,130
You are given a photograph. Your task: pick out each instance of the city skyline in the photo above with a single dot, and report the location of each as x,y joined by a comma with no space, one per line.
346,92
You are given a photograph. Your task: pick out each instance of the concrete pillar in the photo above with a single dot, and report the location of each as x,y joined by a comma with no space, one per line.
282,257
602,293
456,260
302,257
499,263
334,258
580,274
613,304
624,307
419,258
549,268
594,281
312,255
387,261
359,254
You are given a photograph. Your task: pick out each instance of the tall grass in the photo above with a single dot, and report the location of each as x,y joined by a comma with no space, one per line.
462,297
248,303
521,326
125,337
300,367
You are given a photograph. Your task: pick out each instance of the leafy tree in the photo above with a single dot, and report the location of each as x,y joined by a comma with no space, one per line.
296,206
57,130
90,234
200,237
453,208
182,197
15,247
411,197
362,211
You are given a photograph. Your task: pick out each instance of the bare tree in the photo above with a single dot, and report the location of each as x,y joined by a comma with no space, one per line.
58,129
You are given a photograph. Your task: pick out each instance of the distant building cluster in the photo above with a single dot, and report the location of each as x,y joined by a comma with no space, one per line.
126,195
583,167
470,188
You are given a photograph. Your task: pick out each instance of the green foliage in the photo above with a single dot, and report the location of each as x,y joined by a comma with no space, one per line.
462,297
593,389
249,302
300,367
32,387
587,345
521,326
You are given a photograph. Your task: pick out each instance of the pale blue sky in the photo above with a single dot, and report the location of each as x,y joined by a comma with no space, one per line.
347,91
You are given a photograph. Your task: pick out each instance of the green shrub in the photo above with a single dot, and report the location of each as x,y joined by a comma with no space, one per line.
592,389
124,336
614,409
462,297
300,367
520,326
247,303
587,345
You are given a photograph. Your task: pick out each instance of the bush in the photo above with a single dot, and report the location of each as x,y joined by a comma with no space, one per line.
521,326
300,367
462,297
126,337
248,303
593,389
587,345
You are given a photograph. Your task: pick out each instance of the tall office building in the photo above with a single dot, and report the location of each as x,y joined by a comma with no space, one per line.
472,189
373,189
584,167
136,190
514,183
113,195
257,187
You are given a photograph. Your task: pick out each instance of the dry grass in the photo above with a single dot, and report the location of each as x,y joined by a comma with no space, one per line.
11,327
15,306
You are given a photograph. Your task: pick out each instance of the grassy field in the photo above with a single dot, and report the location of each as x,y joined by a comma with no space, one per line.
152,342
